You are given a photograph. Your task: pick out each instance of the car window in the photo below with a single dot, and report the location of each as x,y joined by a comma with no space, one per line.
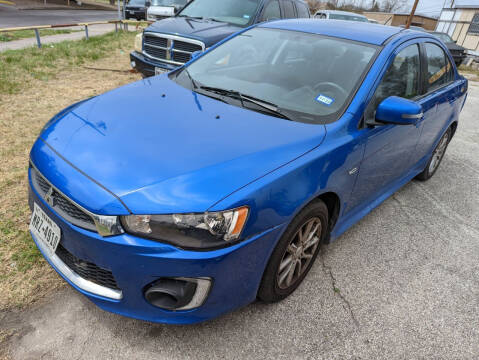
241,13
168,2
444,37
401,79
302,10
272,11
347,17
438,70
288,10
281,67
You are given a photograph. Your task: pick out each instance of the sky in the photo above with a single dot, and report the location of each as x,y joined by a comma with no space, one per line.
433,7
427,7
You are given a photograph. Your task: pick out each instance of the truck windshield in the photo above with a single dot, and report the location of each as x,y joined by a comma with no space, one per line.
137,2
237,12
168,2
444,37
309,76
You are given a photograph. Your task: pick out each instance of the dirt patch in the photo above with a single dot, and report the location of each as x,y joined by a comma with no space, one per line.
24,274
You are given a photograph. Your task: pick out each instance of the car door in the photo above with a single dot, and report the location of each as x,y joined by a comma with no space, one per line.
389,148
440,100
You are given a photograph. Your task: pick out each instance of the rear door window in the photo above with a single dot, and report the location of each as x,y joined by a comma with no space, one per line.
438,67
302,10
288,10
272,11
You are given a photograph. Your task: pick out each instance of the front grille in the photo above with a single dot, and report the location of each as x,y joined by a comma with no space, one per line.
62,205
87,270
170,50
186,46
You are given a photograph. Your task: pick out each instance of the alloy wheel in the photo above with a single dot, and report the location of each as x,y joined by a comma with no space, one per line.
299,253
438,153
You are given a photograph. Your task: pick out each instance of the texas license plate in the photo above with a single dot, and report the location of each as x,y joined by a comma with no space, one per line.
159,71
45,229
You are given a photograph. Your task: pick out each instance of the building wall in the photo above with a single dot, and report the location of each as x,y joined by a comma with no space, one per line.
401,19
456,23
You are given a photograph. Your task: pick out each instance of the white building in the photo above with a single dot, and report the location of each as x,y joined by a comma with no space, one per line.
460,19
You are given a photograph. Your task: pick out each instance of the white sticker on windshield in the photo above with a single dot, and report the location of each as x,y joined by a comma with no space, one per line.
246,16
323,99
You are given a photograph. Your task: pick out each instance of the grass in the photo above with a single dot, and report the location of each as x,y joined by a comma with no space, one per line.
19,67
25,34
34,85
473,73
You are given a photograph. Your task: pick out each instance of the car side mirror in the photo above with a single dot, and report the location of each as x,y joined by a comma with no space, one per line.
399,111
195,54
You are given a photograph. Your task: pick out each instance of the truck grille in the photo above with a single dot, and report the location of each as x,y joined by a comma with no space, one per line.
87,270
170,49
62,205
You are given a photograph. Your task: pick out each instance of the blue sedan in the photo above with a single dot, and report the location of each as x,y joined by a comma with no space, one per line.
184,196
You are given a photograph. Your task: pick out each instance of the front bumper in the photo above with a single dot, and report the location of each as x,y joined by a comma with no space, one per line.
147,66
236,271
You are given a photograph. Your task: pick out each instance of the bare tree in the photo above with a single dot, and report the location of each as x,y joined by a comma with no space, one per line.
393,5
314,5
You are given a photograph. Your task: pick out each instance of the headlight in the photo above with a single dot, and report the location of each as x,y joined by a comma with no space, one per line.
139,42
194,231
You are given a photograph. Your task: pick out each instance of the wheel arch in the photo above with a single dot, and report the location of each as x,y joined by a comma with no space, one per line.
453,128
333,203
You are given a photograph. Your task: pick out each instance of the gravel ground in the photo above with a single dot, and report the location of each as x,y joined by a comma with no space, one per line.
401,284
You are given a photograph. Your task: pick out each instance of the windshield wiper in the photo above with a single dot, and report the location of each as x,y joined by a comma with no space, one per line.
270,108
213,19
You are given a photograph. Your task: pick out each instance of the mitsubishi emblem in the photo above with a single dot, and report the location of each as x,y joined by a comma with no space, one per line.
49,197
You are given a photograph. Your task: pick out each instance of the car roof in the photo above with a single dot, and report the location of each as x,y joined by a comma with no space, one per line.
374,34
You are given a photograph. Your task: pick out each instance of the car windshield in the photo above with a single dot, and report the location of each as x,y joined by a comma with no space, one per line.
309,76
168,2
444,37
347,17
238,12
136,2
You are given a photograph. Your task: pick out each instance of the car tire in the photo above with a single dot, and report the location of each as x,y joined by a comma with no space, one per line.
436,157
294,245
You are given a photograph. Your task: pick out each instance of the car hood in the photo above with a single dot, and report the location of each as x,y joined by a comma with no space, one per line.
210,32
454,46
162,148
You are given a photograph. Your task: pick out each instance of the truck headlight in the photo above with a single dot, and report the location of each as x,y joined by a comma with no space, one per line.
191,231
139,42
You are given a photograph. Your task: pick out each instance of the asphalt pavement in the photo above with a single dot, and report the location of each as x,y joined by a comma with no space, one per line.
403,283
12,17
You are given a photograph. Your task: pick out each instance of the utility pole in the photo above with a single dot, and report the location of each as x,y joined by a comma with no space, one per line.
409,20
119,10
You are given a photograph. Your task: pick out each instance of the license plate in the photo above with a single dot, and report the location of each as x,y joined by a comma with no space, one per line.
45,229
132,12
159,71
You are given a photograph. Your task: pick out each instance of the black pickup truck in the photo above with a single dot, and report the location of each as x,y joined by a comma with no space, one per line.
169,43
458,52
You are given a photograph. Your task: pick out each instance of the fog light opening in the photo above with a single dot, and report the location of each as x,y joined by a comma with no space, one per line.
178,293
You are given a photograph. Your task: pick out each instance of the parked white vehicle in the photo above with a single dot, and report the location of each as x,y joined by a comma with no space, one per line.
340,15
161,9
